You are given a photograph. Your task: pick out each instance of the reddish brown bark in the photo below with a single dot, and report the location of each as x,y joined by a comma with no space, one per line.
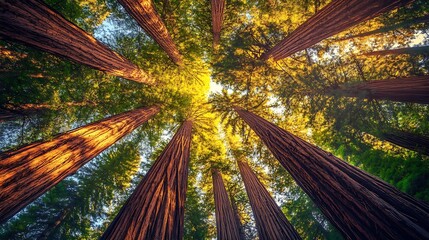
270,220
226,223
218,7
337,16
403,24
410,51
359,205
413,142
146,16
30,171
410,89
33,23
156,208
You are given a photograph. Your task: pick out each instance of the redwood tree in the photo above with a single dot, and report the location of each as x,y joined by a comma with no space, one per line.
226,222
359,205
410,51
337,16
411,89
30,171
33,23
414,142
146,16
270,220
218,7
156,208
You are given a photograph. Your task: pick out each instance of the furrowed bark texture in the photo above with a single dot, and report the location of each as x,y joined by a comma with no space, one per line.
33,23
410,51
146,16
218,7
359,205
156,208
226,223
30,171
411,89
270,220
403,24
337,16
414,142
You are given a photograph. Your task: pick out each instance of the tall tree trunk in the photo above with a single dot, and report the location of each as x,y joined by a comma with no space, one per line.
155,210
337,16
146,16
270,220
237,219
218,7
226,223
385,29
411,89
411,141
33,23
410,51
30,171
359,205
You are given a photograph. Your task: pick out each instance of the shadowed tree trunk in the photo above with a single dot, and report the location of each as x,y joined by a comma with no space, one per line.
33,23
411,89
337,16
237,219
359,205
410,51
155,210
54,225
218,7
226,223
385,29
270,220
30,171
144,13
413,142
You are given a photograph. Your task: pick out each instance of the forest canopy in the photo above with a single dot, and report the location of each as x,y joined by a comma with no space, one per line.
119,104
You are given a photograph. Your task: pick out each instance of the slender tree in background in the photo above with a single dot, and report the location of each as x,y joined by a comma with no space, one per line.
411,141
385,29
226,223
337,16
411,89
237,218
30,171
146,16
33,23
359,205
270,220
156,208
218,7
410,51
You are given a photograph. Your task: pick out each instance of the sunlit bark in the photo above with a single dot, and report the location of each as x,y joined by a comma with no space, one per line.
270,220
218,7
30,171
413,142
33,23
411,89
410,51
144,13
385,29
155,210
226,223
359,205
337,16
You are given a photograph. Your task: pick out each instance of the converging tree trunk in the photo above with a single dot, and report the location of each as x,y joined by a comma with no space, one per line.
226,223
411,141
218,7
155,210
146,16
359,205
30,171
237,218
337,16
410,51
270,220
33,23
411,89
385,29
